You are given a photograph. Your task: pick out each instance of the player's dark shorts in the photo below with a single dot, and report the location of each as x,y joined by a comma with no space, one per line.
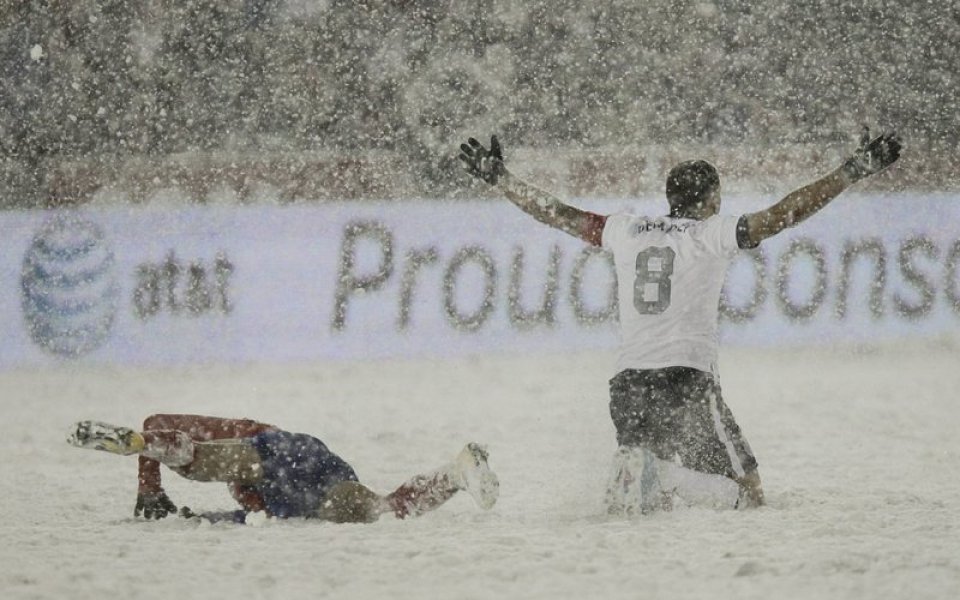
298,470
679,412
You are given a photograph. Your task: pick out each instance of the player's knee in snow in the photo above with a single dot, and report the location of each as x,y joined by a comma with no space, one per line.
350,502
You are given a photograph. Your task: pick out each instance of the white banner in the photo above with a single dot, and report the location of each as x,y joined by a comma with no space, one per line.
374,280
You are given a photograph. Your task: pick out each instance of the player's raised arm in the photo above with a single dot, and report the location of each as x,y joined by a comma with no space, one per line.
488,165
872,157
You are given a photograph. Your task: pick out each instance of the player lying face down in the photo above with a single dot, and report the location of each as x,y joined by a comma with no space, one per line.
281,473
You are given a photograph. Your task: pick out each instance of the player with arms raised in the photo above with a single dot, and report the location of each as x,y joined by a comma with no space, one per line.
675,434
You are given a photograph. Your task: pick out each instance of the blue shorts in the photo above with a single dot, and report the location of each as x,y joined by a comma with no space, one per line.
298,470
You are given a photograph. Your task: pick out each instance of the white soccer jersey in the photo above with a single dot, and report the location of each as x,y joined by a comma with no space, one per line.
669,275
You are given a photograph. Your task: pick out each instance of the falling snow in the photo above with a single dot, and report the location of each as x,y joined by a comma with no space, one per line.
154,104
858,451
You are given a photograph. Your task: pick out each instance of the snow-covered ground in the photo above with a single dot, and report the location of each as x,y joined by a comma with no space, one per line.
859,451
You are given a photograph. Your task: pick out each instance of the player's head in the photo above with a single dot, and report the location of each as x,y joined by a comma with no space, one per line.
693,190
350,502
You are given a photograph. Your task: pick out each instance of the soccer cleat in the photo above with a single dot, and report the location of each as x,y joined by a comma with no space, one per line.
476,477
103,436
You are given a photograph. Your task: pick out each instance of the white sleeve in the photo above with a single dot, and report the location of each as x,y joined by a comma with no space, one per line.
719,235
614,229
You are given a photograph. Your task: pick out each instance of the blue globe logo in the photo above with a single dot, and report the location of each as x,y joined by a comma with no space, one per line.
70,291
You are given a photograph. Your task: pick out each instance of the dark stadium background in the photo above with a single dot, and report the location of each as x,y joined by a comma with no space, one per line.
358,99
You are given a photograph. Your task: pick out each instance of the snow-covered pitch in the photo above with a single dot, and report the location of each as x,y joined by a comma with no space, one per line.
859,451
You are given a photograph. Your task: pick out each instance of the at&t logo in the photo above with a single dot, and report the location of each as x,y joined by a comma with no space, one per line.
69,288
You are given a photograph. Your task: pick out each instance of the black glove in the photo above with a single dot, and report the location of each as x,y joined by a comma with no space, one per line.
482,163
155,505
873,155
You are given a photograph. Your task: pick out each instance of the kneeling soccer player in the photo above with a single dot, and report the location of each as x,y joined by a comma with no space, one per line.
281,473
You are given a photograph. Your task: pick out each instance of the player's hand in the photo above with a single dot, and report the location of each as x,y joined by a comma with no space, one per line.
156,505
873,155
482,163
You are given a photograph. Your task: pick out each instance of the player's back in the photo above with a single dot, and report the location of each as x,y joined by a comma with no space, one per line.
669,275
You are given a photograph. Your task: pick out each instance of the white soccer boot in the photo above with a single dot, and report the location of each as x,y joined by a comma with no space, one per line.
697,489
95,435
475,475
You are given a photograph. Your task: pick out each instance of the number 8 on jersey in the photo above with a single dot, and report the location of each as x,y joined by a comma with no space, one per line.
651,288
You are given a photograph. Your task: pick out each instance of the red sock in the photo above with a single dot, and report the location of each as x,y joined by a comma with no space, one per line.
422,494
